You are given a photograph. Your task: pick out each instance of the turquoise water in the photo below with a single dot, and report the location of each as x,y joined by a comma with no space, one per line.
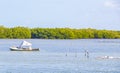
52,56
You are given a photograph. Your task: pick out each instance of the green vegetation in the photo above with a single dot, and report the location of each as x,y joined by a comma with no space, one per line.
56,33
15,33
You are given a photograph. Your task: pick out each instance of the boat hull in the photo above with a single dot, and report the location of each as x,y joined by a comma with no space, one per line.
24,49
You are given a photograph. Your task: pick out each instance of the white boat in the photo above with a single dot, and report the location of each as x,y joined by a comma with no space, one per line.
24,46
108,57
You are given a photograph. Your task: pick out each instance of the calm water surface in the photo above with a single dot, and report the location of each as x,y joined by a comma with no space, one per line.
52,56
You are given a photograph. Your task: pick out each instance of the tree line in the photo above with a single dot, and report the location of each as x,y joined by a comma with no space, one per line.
56,33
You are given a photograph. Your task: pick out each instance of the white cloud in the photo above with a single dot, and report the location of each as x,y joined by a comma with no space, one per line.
112,4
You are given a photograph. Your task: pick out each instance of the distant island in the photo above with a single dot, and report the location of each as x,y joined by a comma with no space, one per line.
56,33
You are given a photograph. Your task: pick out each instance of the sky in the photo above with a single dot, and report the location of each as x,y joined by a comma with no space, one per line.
97,14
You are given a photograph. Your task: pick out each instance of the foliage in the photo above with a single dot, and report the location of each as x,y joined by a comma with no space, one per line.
56,33
67,33
21,32
16,32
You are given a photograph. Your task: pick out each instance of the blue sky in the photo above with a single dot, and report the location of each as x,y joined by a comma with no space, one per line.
98,14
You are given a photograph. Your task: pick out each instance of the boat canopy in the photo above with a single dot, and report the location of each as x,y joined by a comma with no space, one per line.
25,43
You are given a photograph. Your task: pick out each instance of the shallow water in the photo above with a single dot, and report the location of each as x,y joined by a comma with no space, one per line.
52,56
